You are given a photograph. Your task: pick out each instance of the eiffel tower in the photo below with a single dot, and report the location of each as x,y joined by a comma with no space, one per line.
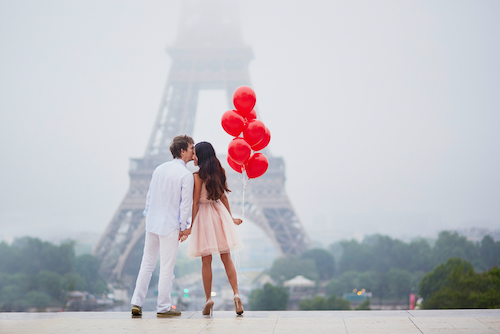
209,53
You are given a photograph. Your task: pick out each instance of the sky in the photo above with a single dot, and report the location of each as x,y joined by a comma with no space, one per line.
385,112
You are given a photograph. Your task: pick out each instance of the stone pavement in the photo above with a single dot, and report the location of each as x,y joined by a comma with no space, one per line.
275,322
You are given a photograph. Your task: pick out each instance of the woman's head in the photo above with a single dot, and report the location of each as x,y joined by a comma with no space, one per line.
211,171
204,152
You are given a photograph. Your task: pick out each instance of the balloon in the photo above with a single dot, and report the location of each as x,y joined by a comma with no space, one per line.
234,165
239,150
254,132
264,142
251,115
232,122
244,100
256,165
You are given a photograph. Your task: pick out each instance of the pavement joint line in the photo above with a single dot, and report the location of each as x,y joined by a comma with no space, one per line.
345,326
208,323
489,327
275,324
414,324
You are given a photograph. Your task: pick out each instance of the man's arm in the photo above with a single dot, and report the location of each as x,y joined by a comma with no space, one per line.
186,200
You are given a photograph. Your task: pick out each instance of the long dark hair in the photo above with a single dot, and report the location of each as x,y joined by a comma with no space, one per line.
211,171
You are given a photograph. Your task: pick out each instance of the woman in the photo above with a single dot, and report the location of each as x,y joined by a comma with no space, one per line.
213,228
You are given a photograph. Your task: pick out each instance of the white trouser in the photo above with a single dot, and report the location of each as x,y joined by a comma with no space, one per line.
167,246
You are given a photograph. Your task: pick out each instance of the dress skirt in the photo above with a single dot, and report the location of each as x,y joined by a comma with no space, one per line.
214,231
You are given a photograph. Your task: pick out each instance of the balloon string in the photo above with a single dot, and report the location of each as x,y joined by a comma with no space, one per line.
237,259
244,184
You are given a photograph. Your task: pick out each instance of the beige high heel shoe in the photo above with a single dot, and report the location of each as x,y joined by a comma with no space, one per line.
238,306
208,307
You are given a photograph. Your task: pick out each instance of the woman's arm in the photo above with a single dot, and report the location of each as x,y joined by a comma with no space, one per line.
224,201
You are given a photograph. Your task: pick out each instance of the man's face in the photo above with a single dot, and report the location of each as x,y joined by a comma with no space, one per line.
188,155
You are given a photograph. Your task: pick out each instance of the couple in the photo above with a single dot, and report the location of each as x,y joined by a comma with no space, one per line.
173,193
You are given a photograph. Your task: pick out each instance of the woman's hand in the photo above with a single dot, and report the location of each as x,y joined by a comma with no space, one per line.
237,221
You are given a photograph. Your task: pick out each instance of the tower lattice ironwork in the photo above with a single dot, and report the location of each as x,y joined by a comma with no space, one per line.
209,53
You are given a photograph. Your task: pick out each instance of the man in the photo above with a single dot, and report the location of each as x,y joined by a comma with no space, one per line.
168,208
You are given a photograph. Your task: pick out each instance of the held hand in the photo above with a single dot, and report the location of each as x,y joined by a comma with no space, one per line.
237,221
187,232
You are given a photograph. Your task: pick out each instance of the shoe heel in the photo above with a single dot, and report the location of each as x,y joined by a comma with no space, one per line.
238,306
208,310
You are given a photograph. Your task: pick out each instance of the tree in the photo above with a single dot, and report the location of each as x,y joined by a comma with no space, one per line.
450,244
461,287
269,298
288,267
322,303
490,252
436,279
87,266
344,284
50,283
399,281
324,261
37,299
364,305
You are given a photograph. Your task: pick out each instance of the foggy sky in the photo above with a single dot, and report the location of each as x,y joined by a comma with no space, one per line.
386,112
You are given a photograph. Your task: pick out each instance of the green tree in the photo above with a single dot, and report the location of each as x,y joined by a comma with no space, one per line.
364,305
87,266
74,282
269,298
322,303
344,284
462,287
490,251
50,283
324,261
37,299
286,268
451,244
400,283
438,278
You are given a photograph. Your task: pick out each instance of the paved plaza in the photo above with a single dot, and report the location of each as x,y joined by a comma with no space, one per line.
275,322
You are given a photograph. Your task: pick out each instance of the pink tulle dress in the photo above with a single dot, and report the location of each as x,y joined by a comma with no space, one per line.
214,231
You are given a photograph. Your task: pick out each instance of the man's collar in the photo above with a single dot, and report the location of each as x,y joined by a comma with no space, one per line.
180,161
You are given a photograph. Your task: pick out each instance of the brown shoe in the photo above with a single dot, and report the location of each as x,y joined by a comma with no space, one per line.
136,311
168,314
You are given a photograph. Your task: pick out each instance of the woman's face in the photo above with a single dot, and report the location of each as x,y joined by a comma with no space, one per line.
195,158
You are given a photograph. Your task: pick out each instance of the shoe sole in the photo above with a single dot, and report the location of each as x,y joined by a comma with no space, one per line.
166,315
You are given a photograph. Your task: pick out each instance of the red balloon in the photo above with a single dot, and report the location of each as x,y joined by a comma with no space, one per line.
244,100
264,142
239,150
254,132
234,165
232,122
251,115
257,165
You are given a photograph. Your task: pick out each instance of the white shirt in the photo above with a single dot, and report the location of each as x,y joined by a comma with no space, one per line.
170,198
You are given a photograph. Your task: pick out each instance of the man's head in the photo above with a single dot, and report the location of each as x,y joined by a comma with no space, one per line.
182,148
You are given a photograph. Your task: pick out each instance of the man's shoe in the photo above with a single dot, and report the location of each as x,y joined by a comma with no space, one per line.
136,311
168,314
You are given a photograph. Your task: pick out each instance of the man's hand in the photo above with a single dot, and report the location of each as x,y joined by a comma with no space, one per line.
237,221
183,235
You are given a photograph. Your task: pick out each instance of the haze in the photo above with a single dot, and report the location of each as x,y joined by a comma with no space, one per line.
387,113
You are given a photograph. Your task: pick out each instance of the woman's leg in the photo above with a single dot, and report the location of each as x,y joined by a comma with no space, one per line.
206,274
230,271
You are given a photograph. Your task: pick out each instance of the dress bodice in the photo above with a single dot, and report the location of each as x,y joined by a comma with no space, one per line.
204,195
